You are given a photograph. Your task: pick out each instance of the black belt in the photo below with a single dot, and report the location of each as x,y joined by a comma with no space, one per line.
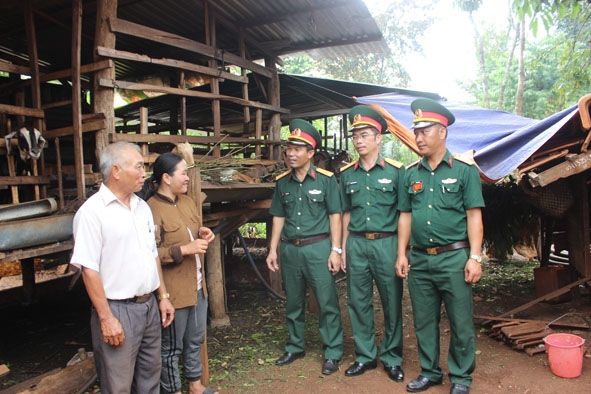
372,235
306,241
137,299
440,249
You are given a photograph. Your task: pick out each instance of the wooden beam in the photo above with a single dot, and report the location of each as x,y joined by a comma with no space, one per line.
85,69
189,93
192,139
574,164
133,29
22,111
14,68
24,180
93,125
75,51
124,55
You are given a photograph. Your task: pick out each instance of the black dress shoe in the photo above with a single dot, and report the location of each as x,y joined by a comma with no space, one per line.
289,358
457,388
359,368
395,373
421,383
330,366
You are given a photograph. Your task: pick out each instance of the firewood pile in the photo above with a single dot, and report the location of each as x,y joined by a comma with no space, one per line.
527,337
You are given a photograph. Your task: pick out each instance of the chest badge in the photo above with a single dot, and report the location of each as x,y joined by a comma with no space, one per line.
449,181
384,180
315,192
416,186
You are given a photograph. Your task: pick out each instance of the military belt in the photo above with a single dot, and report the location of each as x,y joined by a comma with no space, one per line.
306,241
446,248
372,236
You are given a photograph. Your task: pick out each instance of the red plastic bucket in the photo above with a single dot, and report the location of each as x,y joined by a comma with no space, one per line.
565,354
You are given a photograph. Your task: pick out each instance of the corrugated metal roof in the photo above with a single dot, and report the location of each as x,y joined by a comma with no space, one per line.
323,28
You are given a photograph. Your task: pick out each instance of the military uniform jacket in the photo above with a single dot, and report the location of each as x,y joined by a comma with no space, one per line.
439,200
372,196
305,204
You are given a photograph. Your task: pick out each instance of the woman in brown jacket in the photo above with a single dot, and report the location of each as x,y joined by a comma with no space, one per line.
181,242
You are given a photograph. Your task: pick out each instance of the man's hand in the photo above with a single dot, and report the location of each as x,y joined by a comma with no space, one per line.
112,331
197,246
272,262
334,262
344,261
166,312
472,271
402,267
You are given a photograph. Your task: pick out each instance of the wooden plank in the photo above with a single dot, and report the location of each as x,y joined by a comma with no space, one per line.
76,99
22,111
85,69
133,29
109,83
93,125
521,329
14,68
24,180
192,139
574,164
546,297
4,370
35,252
517,321
125,55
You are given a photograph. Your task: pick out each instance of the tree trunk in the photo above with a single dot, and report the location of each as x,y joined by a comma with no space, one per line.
508,68
521,72
481,62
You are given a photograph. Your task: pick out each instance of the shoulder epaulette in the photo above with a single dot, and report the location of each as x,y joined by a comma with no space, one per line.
324,172
393,163
347,166
464,159
278,177
413,164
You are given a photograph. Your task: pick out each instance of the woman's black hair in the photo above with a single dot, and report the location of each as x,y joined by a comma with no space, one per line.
165,164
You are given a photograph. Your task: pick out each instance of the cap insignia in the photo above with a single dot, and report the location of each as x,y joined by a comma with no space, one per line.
357,118
418,113
297,132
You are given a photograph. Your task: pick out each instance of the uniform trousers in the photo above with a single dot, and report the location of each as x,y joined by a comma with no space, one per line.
433,279
184,336
133,367
369,261
303,266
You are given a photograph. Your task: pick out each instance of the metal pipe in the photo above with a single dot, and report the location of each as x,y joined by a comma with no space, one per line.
28,210
34,232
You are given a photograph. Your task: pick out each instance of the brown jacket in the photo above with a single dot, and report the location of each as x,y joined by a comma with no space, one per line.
180,272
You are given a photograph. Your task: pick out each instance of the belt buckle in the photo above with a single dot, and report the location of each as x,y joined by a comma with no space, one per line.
431,251
143,298
370,236
297,242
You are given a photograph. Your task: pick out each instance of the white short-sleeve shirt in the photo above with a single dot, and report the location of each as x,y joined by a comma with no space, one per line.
118,243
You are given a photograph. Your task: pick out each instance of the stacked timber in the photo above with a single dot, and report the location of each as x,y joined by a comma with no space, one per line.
527,337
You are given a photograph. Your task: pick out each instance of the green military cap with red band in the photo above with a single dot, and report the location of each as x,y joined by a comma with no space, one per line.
429,112
363,116
303,133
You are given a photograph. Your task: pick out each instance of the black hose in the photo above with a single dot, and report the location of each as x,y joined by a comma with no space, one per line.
254,267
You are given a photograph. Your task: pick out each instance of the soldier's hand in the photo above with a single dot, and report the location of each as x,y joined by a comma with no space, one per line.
272,262
334,262
344,261
472,271
402,267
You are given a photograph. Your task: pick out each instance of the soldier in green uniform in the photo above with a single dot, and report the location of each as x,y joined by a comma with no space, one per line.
306,209
441,217
369,190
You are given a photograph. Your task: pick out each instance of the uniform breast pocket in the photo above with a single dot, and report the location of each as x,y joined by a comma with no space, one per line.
171,233
316,203
289,202
451,195
416,194
352,192
384,192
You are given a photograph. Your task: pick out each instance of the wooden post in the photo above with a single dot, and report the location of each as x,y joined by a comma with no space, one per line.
577,219
144,129
60,180
275,280
274,99
76,99
104,98
215,284
210,37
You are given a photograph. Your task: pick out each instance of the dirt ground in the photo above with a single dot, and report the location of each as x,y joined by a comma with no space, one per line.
44,336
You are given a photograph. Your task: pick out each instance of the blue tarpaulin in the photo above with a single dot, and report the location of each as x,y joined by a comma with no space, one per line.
501,141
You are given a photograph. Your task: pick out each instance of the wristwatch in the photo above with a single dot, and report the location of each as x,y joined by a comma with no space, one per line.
476,257
163,296
335,249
